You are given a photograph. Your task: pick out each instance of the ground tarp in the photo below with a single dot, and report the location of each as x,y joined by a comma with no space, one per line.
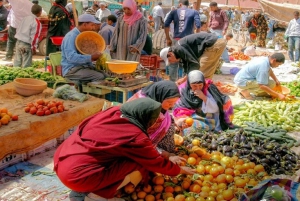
31,131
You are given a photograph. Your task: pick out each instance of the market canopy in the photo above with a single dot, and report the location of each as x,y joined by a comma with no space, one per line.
279,11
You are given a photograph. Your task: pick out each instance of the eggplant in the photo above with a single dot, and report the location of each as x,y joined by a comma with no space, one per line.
230,154
279,171
204,144
236,138
208,140
265,160
227,148
247,146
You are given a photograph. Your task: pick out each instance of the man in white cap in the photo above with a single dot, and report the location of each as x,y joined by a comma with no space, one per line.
103,11
76,66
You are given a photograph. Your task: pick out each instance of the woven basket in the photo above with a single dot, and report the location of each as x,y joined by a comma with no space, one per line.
89,42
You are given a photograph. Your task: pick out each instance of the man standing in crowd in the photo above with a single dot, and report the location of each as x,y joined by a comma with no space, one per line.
103,11
184,20
293,34
143,11
28,36
92,10
19,10
218,22
200,51
59,23
254,77
3,16
158,15
76,66
107,31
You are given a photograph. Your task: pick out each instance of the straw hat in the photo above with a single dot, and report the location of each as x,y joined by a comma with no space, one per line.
90,42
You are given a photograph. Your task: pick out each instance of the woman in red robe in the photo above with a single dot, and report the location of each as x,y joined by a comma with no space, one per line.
110,145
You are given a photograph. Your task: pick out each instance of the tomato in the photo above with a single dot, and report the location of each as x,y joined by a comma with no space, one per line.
40,113
214,171
27,109
40,102
191,161
30,105
221,178
60,109
33,110
196,142
210,198
227,161
200,169
229,178
195,188
40,106
208,177
15,117
47,112
228,194
53,110
205,189
259,168
241,183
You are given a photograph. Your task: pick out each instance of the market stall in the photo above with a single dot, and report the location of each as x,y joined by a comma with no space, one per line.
31,131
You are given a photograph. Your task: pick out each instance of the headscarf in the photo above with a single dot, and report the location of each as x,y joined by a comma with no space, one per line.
136,15
141,111
188,99
62,2
160,91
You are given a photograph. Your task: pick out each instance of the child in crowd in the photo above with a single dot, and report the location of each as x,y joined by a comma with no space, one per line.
27,36
107,30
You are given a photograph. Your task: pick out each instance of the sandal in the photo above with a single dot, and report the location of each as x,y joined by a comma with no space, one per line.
246,97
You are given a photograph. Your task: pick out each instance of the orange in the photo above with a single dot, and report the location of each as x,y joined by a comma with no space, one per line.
129,188
159,180
149,198
4,121
3,110
147,188
178,140
177,189
196,142
185,185
259,168
180,197
195,188
228,194
141,194
158,188
169,189
191,161
189,121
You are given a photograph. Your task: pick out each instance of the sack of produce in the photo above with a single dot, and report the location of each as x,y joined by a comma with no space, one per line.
101,62
273,189
68,92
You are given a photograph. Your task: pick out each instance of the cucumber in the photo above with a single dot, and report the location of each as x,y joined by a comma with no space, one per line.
253,130
261,136
297,144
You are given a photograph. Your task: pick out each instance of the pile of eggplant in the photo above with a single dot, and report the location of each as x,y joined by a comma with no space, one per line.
275,157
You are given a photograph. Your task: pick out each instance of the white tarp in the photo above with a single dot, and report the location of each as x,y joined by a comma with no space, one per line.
279,11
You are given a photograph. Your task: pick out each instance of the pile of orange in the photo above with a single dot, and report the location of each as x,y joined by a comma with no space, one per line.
218,178
6,117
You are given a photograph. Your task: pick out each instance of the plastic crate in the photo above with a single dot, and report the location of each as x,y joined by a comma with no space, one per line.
58,70
43,148
149,61
66,135
11,160
180,72
117,96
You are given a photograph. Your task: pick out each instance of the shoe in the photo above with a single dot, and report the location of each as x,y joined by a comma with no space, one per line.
246,97
6,59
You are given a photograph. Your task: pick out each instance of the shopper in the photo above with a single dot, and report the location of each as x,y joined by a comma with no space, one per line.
103,11
293,34
218,22
130,34
19,10
113,148
107,31
92,10
3,16
27,37
158,15
59,23
258,28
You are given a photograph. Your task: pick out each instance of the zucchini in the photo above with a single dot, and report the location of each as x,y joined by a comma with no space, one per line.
261,136
253,130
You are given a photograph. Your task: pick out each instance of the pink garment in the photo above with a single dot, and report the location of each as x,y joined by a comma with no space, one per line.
183,112
159,129
136,15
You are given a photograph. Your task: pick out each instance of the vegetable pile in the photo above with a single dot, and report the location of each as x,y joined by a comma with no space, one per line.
284,114
294,87
218,177
8,74
226,88
240,56
6,117
43,107
271,149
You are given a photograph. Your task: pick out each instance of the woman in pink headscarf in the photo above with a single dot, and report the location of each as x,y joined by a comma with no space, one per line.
130,34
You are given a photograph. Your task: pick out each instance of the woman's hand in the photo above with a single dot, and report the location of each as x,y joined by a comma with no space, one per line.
177,159
200,94
187,170
133,50
180,123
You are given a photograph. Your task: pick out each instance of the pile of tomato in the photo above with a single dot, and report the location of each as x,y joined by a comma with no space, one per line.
6,117
44,107
240,56
218,178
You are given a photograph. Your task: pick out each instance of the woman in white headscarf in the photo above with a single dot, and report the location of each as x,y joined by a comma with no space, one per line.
130,34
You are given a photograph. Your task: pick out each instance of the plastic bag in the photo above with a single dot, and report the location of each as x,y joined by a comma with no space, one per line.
101,62
275,193
250,51
68,92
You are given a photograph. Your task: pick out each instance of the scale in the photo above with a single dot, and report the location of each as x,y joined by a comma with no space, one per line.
124,74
